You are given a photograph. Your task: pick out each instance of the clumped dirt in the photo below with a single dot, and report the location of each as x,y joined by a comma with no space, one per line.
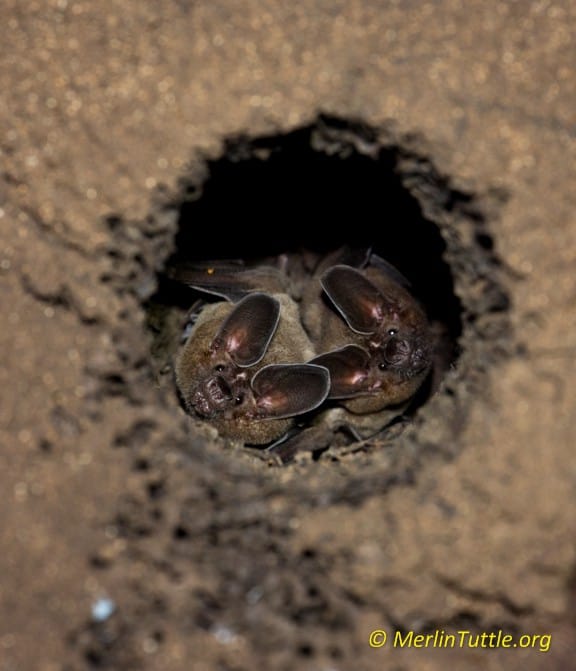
134,537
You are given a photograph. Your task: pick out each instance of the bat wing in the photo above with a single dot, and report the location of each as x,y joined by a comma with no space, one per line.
232,281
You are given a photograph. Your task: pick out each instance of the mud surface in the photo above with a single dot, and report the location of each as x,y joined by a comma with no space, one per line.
134,134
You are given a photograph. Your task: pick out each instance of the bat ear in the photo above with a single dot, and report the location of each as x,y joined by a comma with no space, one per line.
348,368
355,297
248,329
285,390
389,270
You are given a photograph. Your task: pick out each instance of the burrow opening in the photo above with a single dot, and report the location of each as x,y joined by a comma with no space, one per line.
331,183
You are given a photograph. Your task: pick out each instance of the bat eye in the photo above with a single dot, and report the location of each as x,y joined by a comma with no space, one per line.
382,366
238,399
392,332
219,368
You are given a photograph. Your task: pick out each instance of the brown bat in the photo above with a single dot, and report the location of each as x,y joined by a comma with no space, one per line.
374,337
376,344
242,368
371,333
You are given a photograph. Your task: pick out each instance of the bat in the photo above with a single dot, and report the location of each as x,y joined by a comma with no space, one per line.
375,340
372,335
349,312
242,367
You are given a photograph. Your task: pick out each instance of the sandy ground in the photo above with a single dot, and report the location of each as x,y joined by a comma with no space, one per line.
111,113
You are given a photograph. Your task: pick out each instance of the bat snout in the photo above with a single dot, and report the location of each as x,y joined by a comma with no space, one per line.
211,397
409,355
397,351
218,390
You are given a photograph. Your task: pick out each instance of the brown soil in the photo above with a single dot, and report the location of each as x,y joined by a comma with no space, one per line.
127,129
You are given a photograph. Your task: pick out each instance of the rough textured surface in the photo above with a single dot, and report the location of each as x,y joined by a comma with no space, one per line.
212,559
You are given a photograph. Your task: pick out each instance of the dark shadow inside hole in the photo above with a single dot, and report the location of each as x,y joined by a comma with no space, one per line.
305,190
279,194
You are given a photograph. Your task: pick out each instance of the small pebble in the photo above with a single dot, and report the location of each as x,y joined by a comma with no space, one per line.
102,609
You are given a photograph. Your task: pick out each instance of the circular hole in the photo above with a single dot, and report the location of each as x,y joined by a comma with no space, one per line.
313,191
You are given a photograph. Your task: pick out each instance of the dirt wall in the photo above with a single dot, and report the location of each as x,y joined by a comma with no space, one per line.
114,117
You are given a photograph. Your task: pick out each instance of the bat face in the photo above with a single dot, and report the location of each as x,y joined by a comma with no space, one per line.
239,370
376,339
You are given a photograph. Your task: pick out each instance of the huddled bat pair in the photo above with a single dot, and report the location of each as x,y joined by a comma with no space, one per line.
351,343
240,368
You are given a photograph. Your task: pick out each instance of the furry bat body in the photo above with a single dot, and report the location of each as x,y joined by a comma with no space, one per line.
375,340
364,327
374,337
240,368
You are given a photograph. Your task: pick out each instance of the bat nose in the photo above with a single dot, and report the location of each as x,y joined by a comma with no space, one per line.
218,389
211,397
397,351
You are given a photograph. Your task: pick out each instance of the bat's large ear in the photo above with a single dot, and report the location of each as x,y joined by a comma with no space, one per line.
231,280
357,299
348,368
285,390
248,329
388,269
356,257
